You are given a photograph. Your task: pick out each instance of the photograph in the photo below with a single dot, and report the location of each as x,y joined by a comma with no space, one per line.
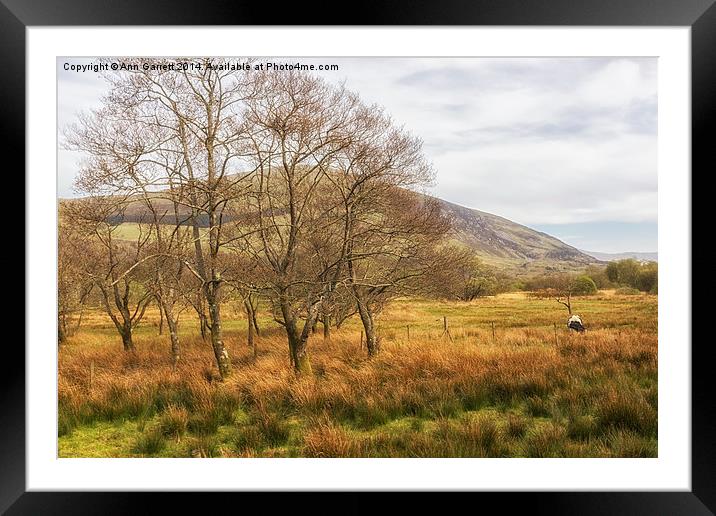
357,257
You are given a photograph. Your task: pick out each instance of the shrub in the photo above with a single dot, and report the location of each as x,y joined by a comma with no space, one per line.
648,277
584,286
632,273
599,275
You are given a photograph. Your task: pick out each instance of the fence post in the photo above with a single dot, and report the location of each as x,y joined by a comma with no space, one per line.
408,326
556,343
446,330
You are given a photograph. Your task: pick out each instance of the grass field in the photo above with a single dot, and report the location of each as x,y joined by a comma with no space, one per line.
523,390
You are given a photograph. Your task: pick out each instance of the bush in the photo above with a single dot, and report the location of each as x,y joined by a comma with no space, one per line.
560,285
599,275
648,277
584,286
631,273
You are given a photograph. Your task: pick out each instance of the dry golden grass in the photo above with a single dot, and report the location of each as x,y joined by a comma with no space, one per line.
519,394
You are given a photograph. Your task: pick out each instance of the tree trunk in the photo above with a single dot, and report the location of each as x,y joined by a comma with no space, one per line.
299,354
176,350
173,324
371,340
252,329
79,320
297,348
326,326
222,356
252,343
61,331
298,341
127,340
161,319
251,334
251,317
202,326
256,324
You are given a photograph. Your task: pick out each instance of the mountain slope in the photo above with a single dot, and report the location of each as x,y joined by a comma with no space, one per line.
500,241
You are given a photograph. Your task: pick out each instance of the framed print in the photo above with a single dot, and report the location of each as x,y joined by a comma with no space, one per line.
417,253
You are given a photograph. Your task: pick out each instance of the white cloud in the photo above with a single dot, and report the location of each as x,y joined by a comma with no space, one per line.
536,140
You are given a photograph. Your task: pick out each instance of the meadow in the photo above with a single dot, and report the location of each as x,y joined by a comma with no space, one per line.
510,380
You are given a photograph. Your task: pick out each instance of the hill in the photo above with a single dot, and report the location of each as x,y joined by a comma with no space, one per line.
501,242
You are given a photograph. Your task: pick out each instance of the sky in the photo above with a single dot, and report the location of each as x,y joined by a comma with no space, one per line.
567,146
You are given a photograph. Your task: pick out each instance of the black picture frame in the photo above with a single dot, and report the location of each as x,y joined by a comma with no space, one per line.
700,15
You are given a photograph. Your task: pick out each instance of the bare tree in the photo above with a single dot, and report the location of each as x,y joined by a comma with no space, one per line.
73,286
114,265
299,124
293,175
389,256
243,276
175,134
460,274
385,226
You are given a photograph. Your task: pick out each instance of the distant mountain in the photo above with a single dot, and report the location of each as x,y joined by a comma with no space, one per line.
499,241
608,257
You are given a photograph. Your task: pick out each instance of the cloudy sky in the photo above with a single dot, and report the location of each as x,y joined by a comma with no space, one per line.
563,145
